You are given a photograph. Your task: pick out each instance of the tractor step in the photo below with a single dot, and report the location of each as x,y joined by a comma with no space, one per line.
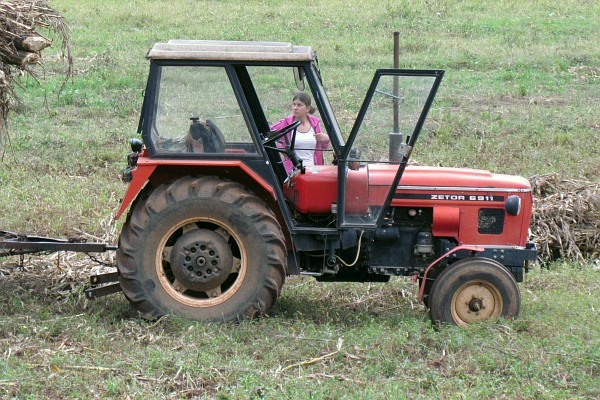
101,291
110,277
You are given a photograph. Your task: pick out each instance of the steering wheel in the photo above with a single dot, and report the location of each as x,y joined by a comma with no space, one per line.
288,150
281,132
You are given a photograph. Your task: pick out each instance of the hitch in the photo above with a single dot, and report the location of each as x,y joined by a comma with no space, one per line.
103,285
14,244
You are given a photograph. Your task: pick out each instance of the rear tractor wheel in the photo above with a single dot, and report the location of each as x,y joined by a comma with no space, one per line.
204,248
473,290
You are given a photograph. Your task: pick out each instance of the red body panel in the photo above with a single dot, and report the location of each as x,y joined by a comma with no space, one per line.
455,195
446,221
316,191
159,170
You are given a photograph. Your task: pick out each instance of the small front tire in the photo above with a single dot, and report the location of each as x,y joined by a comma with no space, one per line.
474,290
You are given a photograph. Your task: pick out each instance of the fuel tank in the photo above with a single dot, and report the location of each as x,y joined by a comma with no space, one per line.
315,191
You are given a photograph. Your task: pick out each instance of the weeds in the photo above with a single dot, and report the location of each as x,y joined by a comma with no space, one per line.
520,95
321,339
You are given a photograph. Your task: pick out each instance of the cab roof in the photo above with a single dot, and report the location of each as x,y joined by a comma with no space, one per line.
223,50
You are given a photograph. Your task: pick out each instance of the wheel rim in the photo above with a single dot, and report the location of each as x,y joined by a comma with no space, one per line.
476,301
212,245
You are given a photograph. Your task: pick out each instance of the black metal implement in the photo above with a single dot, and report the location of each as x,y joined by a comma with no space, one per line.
12,244
110,284
94,293
110,277
15,244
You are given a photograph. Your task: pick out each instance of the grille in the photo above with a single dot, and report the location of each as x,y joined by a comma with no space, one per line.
491,221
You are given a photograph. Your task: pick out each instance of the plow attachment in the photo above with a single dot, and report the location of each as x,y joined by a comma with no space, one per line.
14,244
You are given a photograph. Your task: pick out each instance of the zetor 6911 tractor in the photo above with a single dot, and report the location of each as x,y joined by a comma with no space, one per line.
217,220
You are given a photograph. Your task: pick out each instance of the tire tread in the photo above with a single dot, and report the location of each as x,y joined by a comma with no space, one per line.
147,208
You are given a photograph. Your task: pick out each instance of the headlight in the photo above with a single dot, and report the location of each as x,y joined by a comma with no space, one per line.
512,205
136,145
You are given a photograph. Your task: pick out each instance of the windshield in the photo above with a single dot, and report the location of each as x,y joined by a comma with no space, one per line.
391,116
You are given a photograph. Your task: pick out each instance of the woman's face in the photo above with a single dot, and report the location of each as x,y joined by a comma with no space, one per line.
300,109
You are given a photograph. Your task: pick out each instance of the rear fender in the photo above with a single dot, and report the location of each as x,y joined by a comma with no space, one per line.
140,176
160,171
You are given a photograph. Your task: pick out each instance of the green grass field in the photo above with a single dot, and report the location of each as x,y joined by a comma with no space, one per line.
521,95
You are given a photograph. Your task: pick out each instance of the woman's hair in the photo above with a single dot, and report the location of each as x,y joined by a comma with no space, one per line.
304,99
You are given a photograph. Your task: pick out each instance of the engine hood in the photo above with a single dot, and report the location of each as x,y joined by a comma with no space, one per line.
449,177
316,190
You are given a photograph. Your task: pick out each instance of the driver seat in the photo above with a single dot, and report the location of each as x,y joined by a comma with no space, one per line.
204,137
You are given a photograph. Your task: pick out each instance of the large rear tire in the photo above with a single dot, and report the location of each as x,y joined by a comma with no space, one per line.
204,248
474,290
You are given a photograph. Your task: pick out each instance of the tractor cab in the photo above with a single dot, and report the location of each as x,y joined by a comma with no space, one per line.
211,100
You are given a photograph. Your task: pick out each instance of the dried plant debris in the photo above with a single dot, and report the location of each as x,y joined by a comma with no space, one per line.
61,274
57,275
566,218
21,44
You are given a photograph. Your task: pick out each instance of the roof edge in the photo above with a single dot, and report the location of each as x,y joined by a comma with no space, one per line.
179,49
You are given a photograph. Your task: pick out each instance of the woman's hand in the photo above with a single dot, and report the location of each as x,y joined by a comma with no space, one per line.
321,138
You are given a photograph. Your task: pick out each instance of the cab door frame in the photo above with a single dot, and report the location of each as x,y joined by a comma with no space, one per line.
410,142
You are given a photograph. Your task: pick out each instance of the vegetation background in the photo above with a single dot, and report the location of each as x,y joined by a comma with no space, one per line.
521,95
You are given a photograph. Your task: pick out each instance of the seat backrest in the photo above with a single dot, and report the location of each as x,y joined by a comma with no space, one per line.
205,137
217,140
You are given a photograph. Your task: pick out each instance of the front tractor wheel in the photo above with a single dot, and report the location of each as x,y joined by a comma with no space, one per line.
474,290
203,248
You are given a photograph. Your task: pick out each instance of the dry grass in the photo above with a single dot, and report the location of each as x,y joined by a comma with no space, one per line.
328,340
566,218
65,274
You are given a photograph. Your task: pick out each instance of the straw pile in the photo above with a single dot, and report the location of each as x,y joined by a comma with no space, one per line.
21,45
566,218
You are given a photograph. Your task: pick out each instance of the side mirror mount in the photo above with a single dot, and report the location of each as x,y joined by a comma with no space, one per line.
354,158
299,78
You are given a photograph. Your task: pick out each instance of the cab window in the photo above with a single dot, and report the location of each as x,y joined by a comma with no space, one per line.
196,113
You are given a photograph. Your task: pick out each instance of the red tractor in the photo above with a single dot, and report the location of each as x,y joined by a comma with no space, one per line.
217,221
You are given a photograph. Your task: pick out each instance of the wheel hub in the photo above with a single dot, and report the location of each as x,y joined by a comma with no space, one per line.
476,301
475,305
201,260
